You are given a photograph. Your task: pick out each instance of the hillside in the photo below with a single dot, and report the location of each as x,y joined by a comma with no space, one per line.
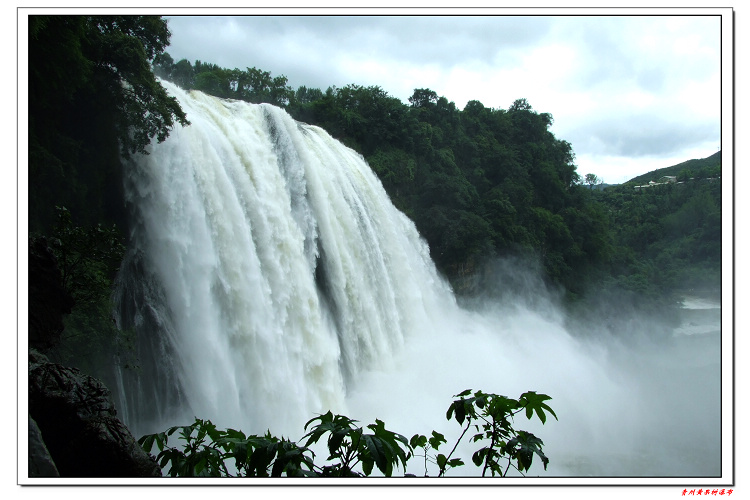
667,239
696,166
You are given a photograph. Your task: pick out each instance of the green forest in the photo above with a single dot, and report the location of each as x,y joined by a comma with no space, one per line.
480,183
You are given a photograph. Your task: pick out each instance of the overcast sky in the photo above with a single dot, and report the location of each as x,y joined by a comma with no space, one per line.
631,94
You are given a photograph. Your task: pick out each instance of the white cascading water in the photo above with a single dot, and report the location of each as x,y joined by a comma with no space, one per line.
284,267
270,279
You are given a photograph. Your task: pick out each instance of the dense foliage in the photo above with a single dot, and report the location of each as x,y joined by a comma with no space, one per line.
92,99
88,259
667,238
355,451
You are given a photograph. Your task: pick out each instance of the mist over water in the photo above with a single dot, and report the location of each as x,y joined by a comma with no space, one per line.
270,279
634,399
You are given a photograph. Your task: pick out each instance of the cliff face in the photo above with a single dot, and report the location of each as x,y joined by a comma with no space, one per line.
73,426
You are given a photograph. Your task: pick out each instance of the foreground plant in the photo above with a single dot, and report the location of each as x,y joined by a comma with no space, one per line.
492,416
355,451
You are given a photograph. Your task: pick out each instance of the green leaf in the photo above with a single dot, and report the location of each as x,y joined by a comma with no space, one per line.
147,442
165,460
501,406
259,461
213,432
418,441
241,452
172,430
460,412
478,456
367,466
437,439
334,442
278,465
534,402
375,448
327,417
480,399
161,440
200,466
524,446
234,434
441,461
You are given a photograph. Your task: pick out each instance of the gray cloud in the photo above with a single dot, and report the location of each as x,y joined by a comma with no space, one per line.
448,40
276,43
639,51
632,86
641,135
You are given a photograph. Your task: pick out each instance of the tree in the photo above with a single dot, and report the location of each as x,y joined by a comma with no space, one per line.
183,74
592,180
520,105
121,49
305,95
685,175
163,65
423,97
213,83
92,98
111,57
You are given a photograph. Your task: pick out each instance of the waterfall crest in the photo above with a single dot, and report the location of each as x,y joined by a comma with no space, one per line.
267,268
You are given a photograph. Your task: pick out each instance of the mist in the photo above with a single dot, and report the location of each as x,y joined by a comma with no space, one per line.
636,395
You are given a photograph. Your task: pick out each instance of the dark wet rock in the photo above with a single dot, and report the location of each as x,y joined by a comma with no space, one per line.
40,461
79,425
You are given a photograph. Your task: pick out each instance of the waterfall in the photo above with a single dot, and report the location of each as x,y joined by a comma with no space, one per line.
267,269
269,278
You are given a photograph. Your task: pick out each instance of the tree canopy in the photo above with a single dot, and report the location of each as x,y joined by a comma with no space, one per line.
93,98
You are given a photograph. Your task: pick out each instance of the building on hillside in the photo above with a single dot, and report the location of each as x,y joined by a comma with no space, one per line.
667,179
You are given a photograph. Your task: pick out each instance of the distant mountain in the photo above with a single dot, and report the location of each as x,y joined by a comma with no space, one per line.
694,165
